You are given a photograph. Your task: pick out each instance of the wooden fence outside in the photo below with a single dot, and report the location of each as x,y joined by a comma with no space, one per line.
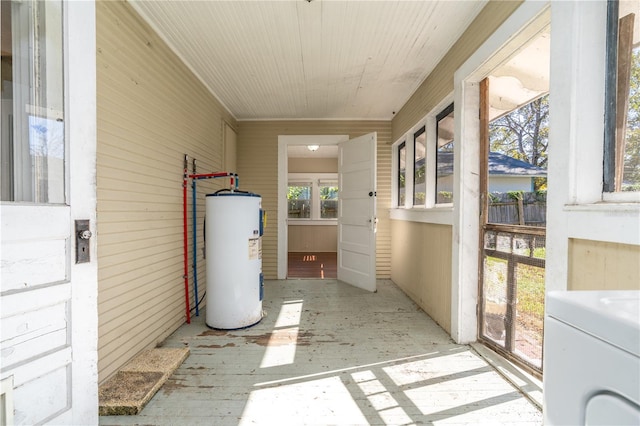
518,208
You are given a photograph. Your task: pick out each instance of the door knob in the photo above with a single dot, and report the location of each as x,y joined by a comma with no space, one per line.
85,234
82,241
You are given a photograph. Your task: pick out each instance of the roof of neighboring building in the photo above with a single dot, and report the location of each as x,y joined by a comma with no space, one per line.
499,165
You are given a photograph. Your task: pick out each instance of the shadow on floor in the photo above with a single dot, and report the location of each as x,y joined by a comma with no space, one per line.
328,353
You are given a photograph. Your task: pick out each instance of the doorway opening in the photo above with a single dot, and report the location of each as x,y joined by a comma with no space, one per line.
355,223
312,211
514,129
307,206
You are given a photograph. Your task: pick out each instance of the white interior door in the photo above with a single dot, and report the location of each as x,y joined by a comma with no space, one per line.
48,300
357,212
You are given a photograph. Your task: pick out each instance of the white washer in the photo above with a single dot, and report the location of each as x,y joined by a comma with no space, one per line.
592,358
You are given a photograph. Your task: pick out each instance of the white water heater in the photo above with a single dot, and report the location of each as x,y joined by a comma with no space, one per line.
234,227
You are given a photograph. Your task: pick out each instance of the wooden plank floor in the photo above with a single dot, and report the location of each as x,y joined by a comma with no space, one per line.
328,353
320,265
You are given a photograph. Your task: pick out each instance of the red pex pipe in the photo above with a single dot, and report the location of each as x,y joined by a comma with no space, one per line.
186,249
210,175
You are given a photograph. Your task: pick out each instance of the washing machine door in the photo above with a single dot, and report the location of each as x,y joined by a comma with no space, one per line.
611,409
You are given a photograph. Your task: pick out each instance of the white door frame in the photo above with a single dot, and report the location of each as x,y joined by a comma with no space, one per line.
464,281
283,170
81,103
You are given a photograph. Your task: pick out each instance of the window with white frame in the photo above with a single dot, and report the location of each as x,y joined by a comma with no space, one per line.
444,156
328,191
312,196
622,112
299,200
32,146
402,173
423,170
419,167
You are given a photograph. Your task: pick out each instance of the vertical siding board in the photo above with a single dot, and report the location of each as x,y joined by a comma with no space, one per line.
258,170
151,111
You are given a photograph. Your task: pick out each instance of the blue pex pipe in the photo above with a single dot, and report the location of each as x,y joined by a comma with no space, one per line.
195,253
195,177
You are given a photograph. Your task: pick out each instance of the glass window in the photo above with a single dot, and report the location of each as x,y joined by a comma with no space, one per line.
419,176
32,148
299,200
402,172
444,157
622,112
328,199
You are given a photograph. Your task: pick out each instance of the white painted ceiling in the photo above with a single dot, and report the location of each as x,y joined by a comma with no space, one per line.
319,59
521,78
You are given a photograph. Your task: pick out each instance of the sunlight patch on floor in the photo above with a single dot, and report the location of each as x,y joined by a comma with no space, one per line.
331,354
289,315
281,348
323,400
430,369
381,399
455,398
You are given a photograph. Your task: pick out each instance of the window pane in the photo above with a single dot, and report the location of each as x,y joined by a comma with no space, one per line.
299,200
444,159
402,171
419,185
517,165
32,147
328,200
518,143
629,86
622,115
631,175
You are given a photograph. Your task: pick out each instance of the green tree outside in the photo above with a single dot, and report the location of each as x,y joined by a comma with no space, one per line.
524,134
631,175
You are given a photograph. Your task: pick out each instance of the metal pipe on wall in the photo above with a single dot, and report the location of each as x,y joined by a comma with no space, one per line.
186,250
234,182
195,257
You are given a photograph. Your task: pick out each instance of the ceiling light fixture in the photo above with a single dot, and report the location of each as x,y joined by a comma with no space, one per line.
313,148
